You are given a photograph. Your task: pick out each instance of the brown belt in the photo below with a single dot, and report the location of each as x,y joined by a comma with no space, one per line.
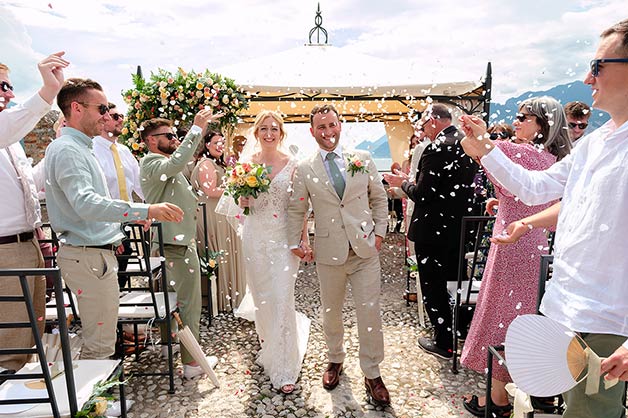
23,237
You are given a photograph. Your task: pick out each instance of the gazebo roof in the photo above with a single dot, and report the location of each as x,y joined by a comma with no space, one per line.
362,87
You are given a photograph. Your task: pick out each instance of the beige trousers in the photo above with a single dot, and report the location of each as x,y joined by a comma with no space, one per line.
92,275
364,276
12,256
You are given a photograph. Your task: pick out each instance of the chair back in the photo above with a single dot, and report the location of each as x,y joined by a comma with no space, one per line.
545,273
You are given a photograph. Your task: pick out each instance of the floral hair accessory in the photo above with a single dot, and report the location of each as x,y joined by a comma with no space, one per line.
356,165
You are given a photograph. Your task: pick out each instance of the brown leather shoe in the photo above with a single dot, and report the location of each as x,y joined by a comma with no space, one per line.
331,377
376,390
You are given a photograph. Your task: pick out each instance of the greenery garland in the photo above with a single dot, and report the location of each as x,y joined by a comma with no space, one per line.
179,96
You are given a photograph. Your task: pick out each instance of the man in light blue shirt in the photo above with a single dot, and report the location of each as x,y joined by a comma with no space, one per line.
86,219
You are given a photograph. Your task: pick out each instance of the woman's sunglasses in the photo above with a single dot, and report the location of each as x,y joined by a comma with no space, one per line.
495,135
521,117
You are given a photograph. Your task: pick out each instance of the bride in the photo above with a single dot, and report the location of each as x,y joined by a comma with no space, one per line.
271,268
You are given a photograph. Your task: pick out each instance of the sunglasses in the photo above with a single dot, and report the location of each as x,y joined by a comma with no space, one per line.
595,64
495,135
102,109
6,86
572,125
117,116
168,135
521,117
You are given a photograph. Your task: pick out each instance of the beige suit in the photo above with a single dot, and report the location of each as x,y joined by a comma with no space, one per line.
345,250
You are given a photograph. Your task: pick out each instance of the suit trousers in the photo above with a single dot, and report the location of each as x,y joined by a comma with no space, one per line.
12,256
184,275
434,272
607,403
92,275
364,276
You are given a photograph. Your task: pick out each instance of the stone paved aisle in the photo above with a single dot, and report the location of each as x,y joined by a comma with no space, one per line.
420,385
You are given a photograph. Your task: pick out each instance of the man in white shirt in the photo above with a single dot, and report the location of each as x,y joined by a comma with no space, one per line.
122,172
589,288
20,213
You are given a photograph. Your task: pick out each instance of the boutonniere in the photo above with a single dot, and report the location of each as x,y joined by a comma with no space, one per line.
356,165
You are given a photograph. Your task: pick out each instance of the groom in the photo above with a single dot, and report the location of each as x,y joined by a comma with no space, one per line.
351,212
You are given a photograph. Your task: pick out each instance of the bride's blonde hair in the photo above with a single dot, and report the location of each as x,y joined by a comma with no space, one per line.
276,116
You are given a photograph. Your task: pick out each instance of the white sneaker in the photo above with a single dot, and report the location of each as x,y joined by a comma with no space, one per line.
164,350
114,410
190,372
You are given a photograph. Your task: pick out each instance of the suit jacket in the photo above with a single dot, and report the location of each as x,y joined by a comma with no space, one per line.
351,222
163,181
442,194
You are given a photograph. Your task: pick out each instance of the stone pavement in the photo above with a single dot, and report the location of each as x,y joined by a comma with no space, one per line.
420,385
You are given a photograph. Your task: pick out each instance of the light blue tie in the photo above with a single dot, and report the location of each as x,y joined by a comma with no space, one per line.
336,176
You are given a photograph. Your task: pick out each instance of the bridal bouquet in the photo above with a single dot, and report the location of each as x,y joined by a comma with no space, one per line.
247,180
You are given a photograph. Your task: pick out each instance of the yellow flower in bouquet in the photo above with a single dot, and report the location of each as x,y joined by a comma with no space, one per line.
246,180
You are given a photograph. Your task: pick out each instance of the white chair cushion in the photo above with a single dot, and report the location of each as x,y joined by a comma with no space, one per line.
145,311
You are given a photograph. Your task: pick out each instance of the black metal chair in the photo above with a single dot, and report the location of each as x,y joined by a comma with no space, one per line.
204,261
149,301
474,248
78,384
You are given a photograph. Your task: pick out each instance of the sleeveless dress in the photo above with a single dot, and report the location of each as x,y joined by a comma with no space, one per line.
271,274
220,236
511,275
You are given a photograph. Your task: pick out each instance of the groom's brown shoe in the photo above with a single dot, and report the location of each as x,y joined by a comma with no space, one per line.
376,390
331,377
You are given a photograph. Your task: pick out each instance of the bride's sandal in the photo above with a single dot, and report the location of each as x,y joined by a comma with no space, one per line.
287,389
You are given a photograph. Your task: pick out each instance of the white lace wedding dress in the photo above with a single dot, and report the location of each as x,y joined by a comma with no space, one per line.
271,271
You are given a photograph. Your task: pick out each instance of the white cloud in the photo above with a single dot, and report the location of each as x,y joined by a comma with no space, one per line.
532,44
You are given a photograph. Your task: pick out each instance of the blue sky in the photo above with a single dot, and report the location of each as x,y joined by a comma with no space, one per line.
532,44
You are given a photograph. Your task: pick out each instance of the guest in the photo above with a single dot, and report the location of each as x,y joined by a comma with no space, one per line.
395,205
86,219
207,182
420,141
500,131
511,273
163,181
578,114
238,143
21,214
589,286
442,195
122,173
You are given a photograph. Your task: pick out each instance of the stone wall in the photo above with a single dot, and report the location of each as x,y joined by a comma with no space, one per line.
37,140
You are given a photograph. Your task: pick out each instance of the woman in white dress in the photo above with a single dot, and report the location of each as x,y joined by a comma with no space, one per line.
270,265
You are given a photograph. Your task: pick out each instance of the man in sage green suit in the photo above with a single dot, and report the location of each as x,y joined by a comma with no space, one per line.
163,181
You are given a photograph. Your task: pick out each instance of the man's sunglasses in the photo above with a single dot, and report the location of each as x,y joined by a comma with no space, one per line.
102,109
583,125
595,64
168,135
6,86
521,117
495,135
117,116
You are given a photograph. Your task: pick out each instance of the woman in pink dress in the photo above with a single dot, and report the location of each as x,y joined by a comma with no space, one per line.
510,280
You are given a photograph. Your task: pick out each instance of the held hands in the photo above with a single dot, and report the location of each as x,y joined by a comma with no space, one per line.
513,232
51,70
378,242
166,212
304,252
476,143
616,366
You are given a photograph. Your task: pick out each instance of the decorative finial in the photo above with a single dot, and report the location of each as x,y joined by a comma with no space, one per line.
318,28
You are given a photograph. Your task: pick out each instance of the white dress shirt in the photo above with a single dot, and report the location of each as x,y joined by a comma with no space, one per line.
15,123
340,162
102,151
588,291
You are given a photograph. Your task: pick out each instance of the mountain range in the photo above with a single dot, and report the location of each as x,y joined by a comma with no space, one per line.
506,112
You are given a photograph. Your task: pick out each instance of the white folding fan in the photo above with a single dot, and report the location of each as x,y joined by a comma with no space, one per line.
545,358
